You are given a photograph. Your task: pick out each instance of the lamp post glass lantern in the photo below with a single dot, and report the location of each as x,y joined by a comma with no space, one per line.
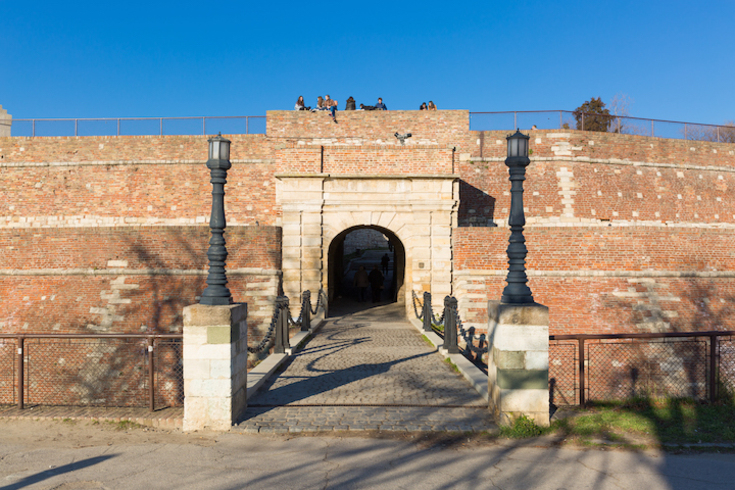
517,291
218,165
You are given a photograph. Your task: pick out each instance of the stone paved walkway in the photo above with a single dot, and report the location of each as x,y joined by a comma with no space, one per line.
363,371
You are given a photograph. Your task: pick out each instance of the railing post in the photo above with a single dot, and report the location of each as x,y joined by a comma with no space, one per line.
713,375
685,131
582,400
651,127
281,343
428,312
718,134
561,124
515,119
151,377
161,122
450,325
583,121
34,128
21,380
306,311
76,127
247,124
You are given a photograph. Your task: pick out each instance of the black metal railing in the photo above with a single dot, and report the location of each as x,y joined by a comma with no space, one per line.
609,123
116,370
698,365
139,126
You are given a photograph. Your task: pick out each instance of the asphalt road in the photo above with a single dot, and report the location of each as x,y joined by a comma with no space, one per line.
64,456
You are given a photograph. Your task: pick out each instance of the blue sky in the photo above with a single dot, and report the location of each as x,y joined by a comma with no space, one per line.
674,59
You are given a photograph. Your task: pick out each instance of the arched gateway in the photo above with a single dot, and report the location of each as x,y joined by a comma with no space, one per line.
320,209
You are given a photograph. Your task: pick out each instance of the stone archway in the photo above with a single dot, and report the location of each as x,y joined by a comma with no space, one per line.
419,210
335,262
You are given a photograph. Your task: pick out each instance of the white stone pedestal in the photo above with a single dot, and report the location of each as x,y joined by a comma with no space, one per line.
215,365
518,362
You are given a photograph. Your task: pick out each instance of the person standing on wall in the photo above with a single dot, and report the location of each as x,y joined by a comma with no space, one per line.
380,106
350,104
376,283
384,262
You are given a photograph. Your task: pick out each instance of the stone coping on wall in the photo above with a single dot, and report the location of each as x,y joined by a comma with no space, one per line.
246,271
612,161
103,163
384,146
366,176
598,273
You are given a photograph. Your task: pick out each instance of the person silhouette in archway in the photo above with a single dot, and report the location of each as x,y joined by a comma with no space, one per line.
376,282
384,262
361,281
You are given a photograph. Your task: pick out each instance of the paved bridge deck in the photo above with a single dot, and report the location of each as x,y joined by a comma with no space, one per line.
369,370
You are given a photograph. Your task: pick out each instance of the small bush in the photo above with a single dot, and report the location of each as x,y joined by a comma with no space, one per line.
522,428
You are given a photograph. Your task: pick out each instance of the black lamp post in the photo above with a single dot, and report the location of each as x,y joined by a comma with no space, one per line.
517,291
218,164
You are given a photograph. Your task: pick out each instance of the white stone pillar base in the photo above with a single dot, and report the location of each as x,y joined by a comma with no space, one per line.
215,365
518,363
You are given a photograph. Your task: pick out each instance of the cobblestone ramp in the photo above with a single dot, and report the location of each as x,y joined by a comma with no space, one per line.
367,371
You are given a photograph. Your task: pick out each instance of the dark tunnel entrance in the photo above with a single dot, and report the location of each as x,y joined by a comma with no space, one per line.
366,247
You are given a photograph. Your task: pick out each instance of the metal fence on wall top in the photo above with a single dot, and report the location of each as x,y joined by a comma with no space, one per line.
139,126
479,121
660,128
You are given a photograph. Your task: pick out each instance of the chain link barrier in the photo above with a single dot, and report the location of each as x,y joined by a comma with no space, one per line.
265,342
469,336
285,309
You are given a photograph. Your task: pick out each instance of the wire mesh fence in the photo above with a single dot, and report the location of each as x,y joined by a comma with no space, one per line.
169,372
563,373
510,120
126,370
86,372
7,371
697,365
657,369
140,126
727,366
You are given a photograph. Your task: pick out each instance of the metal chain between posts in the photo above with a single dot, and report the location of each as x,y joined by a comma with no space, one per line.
268,335
319,302
469,337
439,322
302,321
415,310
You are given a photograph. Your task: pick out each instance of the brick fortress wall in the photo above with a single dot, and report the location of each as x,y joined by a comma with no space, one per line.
109,234
625,233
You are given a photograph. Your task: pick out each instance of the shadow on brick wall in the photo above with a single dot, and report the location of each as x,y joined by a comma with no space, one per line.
476,207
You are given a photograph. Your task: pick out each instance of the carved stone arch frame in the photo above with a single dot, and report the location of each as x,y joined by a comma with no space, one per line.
420,210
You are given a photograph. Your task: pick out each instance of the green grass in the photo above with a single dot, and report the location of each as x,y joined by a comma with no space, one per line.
125,425
453,366
639,421
426,339
667,421
522,428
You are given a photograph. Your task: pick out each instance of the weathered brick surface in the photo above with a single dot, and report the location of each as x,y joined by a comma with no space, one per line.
600,248
619,279
146,201
145,247
441,127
